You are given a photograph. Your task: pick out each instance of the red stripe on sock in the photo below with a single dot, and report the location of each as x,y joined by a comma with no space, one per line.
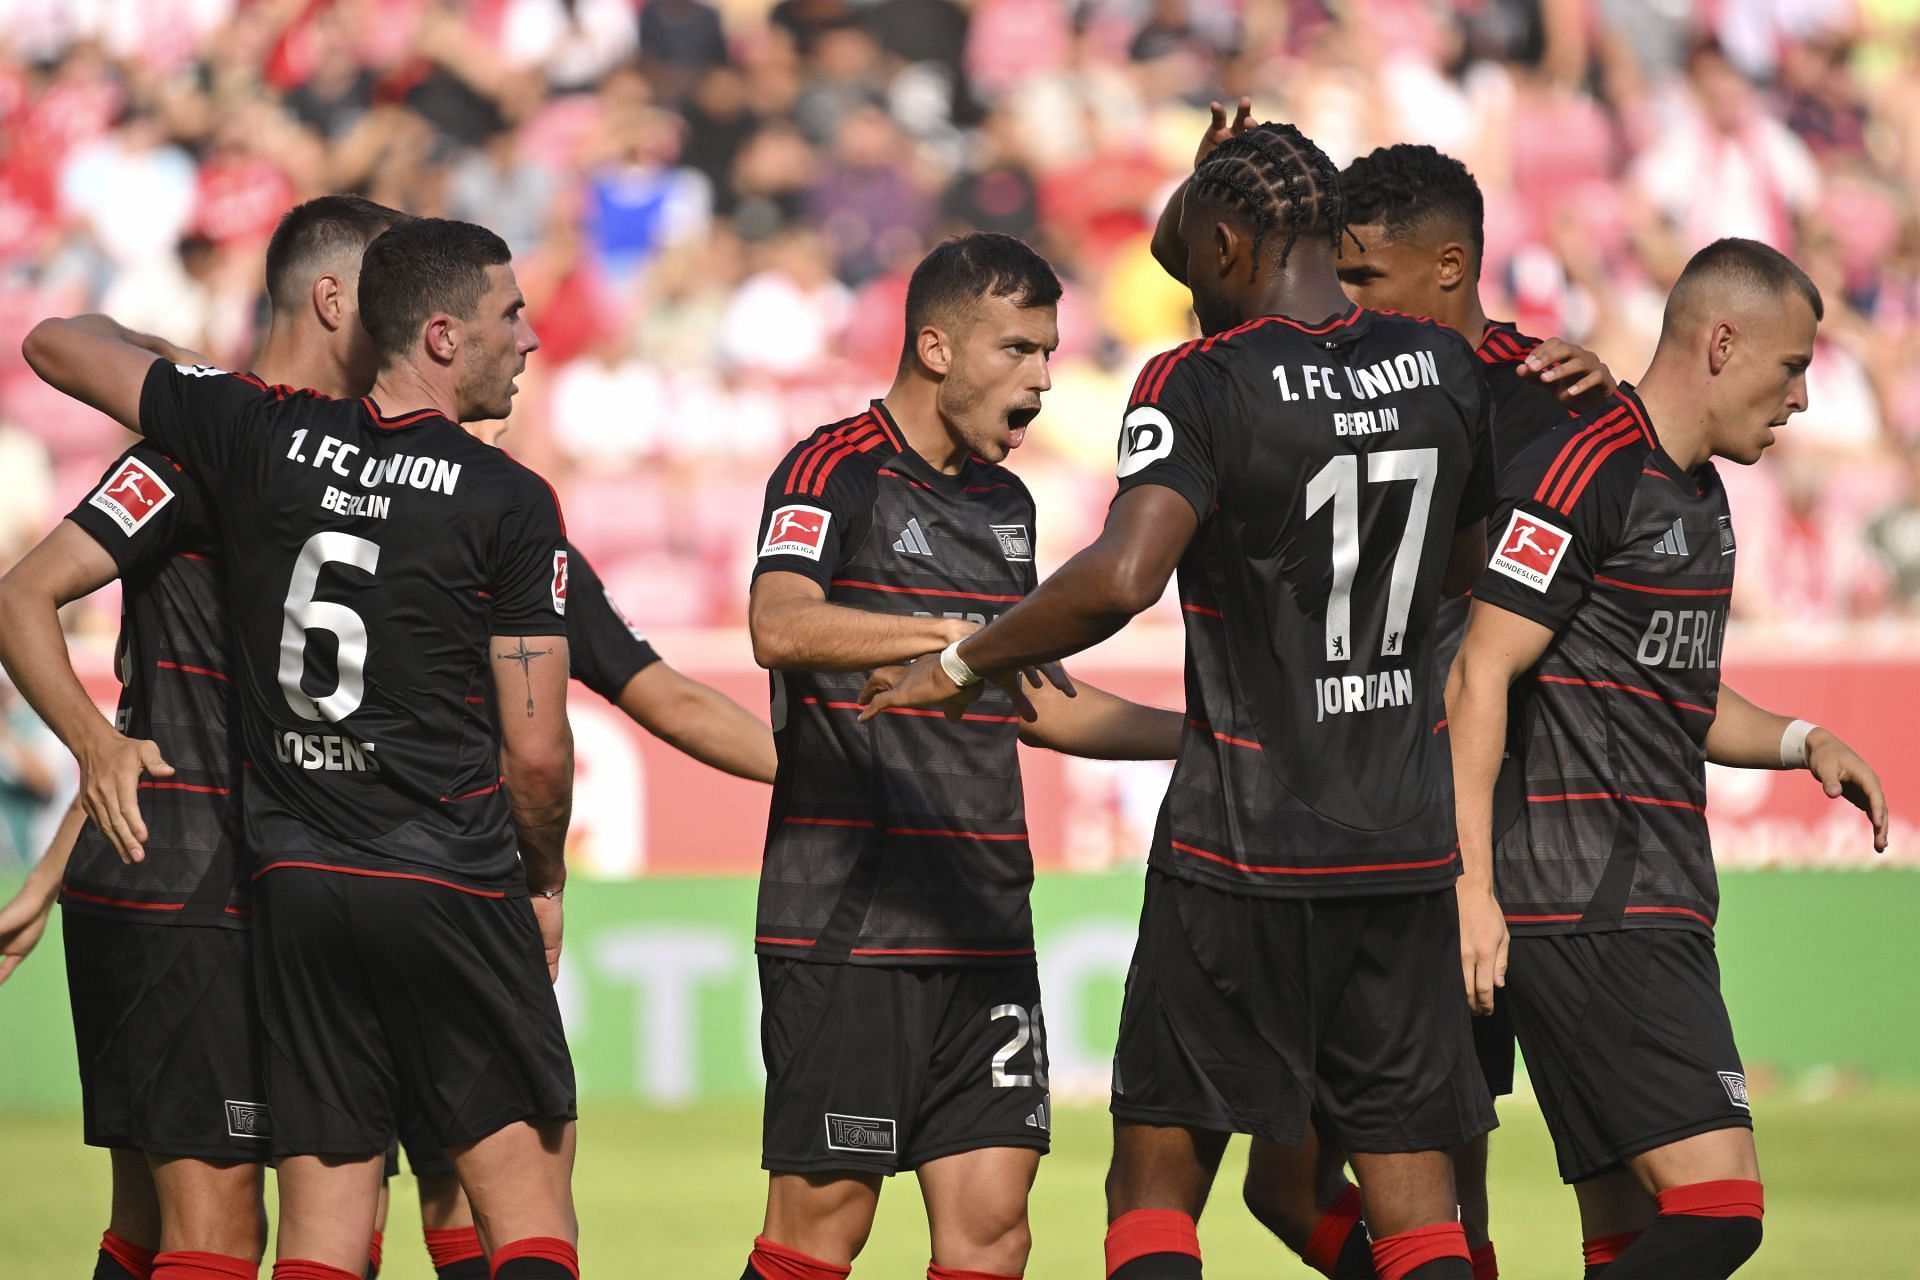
937,1272
301,1269
448,1245
1728,1198
1395,1256
1485,1265
1145,1231
777,1262
1602,1250
193,1264
546,1248
128,1254
1331,1232
373,1249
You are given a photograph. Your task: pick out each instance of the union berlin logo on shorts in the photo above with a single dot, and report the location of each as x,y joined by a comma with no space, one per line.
132,495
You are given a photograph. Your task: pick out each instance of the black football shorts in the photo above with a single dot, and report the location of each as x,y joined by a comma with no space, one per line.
1627,1042
1262,1015
388,997
873,1069
169,1045
1493,1046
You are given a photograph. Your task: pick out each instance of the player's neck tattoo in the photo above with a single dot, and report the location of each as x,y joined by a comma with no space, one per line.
525,656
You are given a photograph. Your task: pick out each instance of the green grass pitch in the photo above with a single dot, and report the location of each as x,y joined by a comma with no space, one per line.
678,1194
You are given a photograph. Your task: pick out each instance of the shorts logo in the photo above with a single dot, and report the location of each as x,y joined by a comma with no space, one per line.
132,495
560,583
1736,1086
249,1120
797,531
865,1134
1531,551
1014,543
1145,437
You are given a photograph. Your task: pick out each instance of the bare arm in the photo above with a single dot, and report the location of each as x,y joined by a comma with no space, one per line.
23,918
536,750
699,721
66,565
794,628
1097,725
1498,647
99,362
1747,737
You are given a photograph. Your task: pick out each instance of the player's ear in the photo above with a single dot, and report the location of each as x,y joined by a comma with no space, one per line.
329,300
1720,343
1452,265
1226,246
443,337
935,348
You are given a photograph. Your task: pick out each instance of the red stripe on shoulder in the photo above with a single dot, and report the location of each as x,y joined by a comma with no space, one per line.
1573,451
823,440
1640,419
1600,457
863,444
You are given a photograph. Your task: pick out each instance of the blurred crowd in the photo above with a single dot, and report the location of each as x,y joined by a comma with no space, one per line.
714,208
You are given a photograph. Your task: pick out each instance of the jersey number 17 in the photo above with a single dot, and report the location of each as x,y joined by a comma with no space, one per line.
1339,483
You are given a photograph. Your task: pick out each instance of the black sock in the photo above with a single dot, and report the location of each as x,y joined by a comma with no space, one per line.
532,1269
1356,1256
107,1267
1160,1266
465,1269
1682,1244
1443,1269
373,1271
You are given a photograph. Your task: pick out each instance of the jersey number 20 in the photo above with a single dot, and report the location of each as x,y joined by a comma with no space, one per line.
1339,483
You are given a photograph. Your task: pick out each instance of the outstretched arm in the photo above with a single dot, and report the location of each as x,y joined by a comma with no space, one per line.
1092,596
99,362
795,628
700,721
1498,647
1097,725
1747,737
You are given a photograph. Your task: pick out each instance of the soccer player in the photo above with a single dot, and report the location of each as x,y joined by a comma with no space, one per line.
1604,607
1315,472
1414,244
902,1026
405,828
157,951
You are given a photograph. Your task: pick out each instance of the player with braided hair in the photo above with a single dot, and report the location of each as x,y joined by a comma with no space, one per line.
1317,474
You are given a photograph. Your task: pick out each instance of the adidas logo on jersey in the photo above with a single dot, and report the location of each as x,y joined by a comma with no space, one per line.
912,541
1673,543
1039,1119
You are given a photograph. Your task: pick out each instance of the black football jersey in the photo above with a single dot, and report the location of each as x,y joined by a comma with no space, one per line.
367,560
604,647
1329,467
902,841
176,689
1601,537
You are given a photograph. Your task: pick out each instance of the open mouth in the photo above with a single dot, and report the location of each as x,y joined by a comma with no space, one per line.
1017,420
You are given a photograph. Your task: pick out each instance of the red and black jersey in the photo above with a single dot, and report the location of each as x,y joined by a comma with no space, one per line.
367,562
1601,537
1329,467
604,647
903,841
151,517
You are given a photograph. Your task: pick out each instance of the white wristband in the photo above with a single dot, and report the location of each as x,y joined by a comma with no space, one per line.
1793,744
956,667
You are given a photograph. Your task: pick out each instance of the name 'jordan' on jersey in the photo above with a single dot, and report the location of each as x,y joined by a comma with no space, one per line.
175,690
367,562
902,841
1330,467
1601,537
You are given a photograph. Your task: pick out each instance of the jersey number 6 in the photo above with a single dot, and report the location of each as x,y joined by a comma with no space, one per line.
302,613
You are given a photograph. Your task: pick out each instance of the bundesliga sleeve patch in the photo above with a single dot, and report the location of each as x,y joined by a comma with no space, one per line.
1145,437
132,495
1531,550
560,583
796,530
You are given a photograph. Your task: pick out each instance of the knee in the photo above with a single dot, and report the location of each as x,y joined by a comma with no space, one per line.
1289,1211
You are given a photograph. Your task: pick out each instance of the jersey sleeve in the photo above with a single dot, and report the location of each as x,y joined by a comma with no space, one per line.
144,509
201,415
530,562
1477,500
1561,513
810,529
604,649
1166,437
